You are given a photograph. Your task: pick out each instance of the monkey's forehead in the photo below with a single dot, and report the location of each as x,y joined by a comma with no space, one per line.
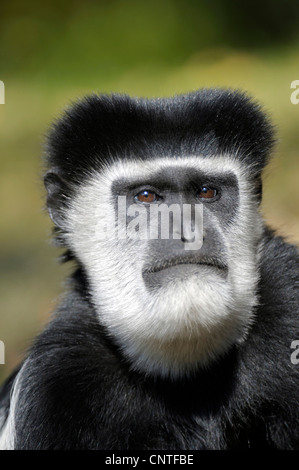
100,129
172,169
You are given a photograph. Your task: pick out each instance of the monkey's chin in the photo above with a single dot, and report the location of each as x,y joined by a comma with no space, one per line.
182,354
185,325
178,324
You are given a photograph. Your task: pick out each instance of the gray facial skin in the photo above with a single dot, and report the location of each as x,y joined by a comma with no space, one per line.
169,259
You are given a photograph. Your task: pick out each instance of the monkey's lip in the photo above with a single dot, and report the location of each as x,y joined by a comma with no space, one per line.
212,261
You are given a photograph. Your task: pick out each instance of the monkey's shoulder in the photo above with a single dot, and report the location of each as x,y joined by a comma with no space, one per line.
279,275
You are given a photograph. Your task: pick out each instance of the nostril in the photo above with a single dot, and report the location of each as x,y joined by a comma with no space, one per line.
188,239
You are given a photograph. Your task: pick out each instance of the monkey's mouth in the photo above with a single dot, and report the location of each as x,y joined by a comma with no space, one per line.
164,264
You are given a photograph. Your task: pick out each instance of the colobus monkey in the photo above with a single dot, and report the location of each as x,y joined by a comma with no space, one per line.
162,342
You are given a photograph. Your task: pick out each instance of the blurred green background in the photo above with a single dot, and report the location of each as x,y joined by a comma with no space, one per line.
54,51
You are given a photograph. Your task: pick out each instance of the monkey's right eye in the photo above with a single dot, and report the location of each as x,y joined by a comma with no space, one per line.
146,196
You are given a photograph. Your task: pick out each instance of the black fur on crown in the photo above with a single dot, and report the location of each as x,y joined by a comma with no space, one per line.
100,128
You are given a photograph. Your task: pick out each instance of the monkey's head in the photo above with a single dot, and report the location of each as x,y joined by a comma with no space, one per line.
158,200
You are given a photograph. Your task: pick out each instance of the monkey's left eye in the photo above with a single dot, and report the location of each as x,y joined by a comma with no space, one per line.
206,192
146,196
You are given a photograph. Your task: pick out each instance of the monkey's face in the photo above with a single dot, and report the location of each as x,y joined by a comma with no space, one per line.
170,248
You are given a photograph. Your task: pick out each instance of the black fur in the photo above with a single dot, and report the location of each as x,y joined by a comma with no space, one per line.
78,392
206,122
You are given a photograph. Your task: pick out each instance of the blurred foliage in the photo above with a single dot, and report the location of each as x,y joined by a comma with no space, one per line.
52,52
72,39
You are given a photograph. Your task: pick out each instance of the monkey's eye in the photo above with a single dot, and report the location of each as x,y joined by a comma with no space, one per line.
146,196
205,192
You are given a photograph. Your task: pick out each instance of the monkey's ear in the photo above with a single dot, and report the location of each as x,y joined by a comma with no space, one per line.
259,190
57,196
